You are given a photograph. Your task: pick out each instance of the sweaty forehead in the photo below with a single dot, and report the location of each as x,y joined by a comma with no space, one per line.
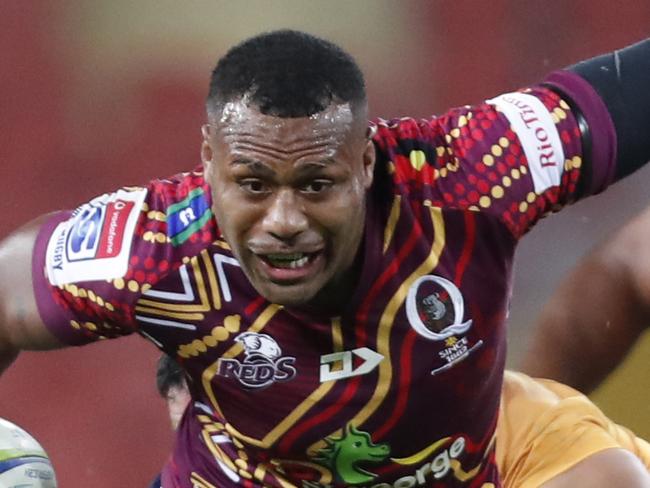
239,121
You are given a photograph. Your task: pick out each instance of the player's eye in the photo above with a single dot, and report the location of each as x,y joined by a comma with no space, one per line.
316,186
253,186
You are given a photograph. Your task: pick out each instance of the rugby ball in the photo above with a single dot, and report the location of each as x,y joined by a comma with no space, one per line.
23,462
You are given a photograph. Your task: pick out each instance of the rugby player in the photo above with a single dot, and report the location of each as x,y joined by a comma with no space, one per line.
172,387
549,435
336,290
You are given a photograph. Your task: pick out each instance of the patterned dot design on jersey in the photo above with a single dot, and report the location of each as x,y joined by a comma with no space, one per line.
494,166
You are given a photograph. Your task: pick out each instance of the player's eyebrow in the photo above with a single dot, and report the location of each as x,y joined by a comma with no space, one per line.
253,165
311,167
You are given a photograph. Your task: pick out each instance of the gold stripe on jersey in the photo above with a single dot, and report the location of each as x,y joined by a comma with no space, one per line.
200,291
200,482
325,474
168,313
389,230
313,398
462,475
210,372
388,317
337,335
421,455
206,432
298,412
386,322
222,244
238,466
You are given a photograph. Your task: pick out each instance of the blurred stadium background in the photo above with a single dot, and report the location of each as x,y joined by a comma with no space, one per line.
96,94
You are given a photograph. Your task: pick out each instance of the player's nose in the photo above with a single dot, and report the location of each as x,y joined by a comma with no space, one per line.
285,217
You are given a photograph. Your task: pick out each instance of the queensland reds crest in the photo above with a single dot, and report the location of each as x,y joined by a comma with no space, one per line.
435,308
263,363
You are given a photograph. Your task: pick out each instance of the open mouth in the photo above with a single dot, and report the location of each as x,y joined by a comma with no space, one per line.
288,261
290,267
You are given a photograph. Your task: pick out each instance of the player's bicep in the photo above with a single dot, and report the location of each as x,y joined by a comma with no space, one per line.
21,326
628,254
612,467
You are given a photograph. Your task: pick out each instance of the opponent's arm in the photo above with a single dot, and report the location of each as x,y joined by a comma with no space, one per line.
612,467
20,324
597,313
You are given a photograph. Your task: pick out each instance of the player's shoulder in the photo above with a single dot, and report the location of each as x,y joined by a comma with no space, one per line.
407,145
390,132
165,220
178,188
183,203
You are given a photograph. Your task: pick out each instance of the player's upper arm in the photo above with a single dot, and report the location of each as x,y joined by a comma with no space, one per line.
21,326
612,467
627,256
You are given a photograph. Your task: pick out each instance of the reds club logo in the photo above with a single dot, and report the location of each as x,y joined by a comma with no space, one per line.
263,362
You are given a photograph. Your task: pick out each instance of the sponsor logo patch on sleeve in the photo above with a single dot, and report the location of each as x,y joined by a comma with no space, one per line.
95,243
532,123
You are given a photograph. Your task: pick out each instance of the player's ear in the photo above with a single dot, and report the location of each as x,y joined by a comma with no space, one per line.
206,148
369,158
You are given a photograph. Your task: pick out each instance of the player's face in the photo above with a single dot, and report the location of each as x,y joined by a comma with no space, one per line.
289,197
177,399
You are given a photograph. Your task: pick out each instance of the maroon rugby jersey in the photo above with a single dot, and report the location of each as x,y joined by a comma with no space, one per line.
401,389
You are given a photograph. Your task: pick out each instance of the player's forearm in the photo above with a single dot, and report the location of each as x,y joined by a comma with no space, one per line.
21,326
604,469
622,78
589,325
612,115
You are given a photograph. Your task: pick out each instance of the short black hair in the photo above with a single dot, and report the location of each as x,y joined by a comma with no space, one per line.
169,374
287,73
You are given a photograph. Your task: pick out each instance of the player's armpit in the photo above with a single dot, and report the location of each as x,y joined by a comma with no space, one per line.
606,469
21,326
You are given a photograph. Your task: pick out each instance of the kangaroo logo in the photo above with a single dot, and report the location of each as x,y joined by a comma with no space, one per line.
343,455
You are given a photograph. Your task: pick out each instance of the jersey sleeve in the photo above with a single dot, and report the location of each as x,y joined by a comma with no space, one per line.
546,428
517,156
91,265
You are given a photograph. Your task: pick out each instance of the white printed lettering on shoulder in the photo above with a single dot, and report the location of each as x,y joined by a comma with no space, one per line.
95,243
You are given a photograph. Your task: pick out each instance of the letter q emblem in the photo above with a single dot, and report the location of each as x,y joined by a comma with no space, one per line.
447,322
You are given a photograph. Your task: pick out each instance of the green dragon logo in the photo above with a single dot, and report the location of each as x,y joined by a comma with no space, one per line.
344,454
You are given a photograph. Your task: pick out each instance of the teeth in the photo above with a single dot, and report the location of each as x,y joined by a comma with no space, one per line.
295,260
